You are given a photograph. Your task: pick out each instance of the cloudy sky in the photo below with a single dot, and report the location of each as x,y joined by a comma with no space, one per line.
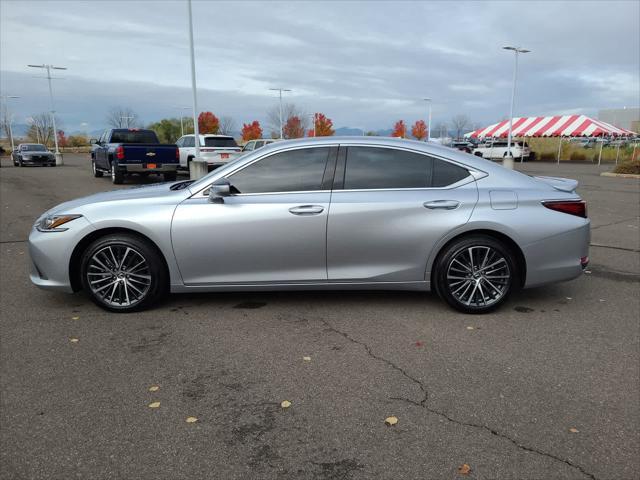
364,64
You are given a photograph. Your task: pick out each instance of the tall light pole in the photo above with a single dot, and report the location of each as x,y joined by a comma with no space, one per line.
314,118
49,67
280,90
181,117
508,160
9,117
198,166
428,124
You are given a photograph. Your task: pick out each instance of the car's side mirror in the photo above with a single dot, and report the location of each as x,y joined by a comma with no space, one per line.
218,191
93,141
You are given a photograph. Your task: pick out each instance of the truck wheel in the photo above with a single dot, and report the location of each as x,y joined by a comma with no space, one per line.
478,154
170,176
117,176
96,173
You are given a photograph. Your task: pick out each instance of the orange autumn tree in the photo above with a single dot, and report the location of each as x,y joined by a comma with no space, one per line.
208,123
62,139
324,126
293,128
251,131
419,130
399,129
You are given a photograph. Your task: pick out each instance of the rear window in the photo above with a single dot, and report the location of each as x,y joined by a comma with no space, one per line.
134,136
220,142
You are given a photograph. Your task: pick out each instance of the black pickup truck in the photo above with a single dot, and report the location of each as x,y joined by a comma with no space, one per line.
122,151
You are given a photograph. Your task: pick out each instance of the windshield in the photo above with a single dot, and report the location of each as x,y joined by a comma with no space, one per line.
225,142
134,136
34,148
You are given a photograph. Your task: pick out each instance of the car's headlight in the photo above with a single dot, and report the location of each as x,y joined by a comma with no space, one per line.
52,223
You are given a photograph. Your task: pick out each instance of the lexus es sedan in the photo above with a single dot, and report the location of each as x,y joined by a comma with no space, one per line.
32,154
321,213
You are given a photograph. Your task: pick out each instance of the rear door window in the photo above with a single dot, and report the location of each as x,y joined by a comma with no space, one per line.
445,173
373,167
220,142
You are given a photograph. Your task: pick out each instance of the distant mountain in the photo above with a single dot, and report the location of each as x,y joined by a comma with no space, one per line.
353,131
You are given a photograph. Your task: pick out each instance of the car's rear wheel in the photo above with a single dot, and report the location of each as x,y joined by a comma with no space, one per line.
117,176
476,274
96,173
123,273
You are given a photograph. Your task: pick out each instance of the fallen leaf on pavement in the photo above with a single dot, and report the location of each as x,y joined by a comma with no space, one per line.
154,388
74,340
191,420
391,421
75,318
154,405
469,328
464,469
306,359
574,430
419,344
285,404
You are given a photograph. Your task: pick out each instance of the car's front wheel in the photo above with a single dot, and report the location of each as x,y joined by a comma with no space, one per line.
476,274
123,273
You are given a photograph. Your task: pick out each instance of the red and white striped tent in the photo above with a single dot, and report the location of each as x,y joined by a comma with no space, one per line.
554,126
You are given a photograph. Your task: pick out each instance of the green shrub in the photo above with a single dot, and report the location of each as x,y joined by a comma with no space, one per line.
628,167
546,156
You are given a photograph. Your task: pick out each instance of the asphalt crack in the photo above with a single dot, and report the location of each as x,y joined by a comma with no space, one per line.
424,404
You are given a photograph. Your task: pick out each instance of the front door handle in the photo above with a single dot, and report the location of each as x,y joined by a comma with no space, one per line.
306,210
442,204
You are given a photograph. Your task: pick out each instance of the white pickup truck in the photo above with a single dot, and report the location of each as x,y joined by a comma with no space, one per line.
215,149
497,150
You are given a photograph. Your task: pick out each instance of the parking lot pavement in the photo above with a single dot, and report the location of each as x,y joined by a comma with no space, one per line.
546,387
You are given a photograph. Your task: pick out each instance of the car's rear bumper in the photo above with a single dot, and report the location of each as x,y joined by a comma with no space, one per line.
143,167
561,257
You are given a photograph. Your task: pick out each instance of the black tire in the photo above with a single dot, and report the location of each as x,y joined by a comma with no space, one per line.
117,175
478,154
96,173
125,277
20,163
170,176
463,283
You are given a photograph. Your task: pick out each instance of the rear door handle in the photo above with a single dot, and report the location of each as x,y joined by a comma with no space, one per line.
306,210
442,204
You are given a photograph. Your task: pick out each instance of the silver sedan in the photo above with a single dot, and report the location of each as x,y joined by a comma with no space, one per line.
324,213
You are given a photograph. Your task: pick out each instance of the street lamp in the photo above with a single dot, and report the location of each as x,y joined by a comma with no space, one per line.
508,160
280,90
9,117
198,167
314,119
181,117
53,112
428,124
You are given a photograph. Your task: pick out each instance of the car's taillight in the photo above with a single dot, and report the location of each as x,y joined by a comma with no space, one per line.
177,154
572,207
120,152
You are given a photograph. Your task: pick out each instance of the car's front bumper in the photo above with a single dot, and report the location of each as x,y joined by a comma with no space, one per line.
51,252
38,160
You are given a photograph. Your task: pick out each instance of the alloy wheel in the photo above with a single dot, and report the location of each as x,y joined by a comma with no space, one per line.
478,276
119,275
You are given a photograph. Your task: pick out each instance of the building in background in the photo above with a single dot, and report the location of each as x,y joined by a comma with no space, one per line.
628,118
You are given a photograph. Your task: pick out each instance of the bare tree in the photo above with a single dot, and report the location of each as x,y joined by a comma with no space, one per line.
460,123
5,121
122,117
41,129
439,130
288,110
227,125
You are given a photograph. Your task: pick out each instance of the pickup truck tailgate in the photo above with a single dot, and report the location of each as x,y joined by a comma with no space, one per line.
143,153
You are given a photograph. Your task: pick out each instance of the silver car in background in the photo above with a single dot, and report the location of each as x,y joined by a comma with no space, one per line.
322,213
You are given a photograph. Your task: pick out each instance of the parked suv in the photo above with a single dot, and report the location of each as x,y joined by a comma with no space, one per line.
252,145
497,150
215,149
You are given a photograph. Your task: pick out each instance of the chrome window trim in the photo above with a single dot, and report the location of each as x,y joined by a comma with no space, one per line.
474,174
